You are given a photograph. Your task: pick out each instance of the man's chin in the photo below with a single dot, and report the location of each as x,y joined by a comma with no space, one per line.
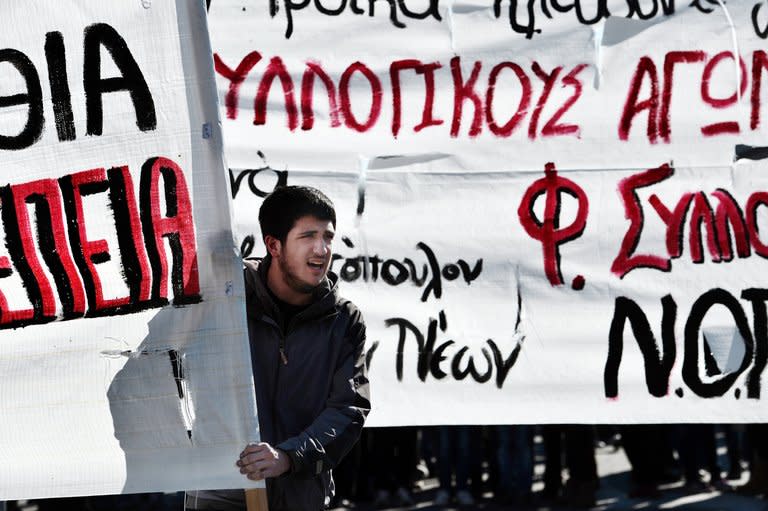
315,279
307,286
306,289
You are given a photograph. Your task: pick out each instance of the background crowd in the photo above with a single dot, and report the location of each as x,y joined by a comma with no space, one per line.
494,465
478,463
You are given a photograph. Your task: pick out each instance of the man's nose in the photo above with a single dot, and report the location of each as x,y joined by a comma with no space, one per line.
321,247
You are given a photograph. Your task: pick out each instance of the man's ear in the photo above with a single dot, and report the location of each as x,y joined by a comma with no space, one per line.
273,245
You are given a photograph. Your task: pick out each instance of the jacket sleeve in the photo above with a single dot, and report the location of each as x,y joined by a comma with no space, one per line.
334,432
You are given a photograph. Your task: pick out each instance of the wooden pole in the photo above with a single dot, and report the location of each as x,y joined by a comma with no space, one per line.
256,499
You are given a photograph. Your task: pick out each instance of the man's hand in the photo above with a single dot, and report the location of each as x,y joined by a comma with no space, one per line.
259,461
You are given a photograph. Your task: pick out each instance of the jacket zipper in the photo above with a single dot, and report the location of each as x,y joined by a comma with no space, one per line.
281,346
283,357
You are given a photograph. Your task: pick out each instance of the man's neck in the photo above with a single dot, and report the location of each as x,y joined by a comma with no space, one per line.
282,290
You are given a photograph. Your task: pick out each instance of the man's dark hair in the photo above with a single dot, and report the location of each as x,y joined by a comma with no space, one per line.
286,204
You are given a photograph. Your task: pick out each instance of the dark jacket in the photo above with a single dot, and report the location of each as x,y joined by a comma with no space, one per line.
312,399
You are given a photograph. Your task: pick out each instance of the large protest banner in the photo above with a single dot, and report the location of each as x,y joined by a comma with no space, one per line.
550,211
124,363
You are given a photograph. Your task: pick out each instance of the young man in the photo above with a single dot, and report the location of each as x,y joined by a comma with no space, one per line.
307,354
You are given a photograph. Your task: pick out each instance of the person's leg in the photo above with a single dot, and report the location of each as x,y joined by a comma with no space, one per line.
477,450
430,447
641,443
733,442
670,471
709,453
365,477
689,447
553,460
521,453
405,463
384,452
446,456
504,460
582,467
580,453
464,455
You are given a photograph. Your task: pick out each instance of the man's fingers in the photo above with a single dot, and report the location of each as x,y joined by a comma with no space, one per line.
255,475
253,458
254,448
257,466
258,461
255,454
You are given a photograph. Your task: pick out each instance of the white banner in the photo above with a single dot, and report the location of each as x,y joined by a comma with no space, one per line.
547,212
124,359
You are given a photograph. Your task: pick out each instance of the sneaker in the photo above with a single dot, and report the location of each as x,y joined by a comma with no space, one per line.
464,498
442,498
404,497
381,499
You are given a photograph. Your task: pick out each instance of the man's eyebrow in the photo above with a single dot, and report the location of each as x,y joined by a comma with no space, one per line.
312,232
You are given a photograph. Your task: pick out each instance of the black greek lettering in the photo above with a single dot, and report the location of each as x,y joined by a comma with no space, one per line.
131,79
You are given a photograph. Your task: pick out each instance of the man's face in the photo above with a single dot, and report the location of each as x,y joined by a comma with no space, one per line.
305,256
